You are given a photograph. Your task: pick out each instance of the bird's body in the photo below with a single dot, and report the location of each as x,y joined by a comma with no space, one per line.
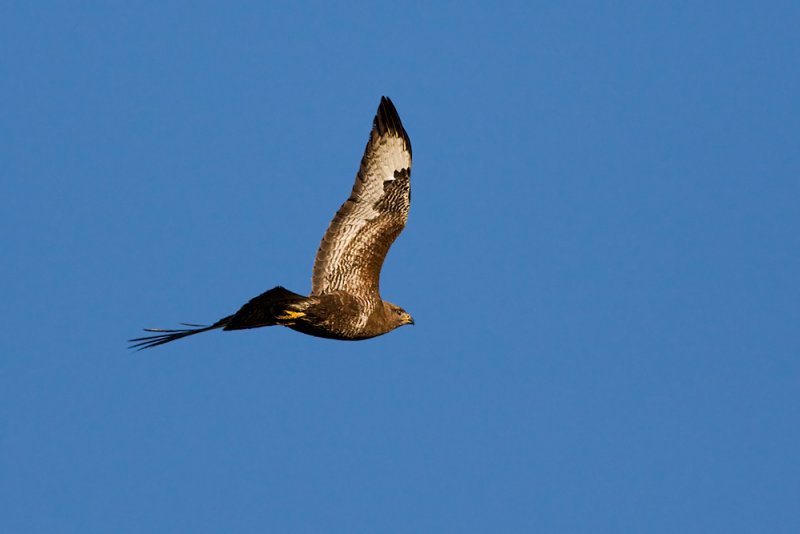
345,301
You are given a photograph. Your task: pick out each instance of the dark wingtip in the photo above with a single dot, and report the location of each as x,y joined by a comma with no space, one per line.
387,121
163,335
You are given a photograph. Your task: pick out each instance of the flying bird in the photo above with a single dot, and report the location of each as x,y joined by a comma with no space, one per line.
345,301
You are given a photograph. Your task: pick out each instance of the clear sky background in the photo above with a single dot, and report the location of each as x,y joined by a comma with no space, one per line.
602,259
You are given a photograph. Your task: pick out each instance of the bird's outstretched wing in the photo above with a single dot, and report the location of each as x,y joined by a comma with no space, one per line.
352,251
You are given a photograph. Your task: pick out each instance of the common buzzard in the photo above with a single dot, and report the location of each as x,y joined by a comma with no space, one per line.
345,301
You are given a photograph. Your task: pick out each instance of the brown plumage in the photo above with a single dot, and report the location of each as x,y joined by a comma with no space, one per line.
345,301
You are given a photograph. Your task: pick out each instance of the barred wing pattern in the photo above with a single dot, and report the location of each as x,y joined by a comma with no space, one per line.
352,251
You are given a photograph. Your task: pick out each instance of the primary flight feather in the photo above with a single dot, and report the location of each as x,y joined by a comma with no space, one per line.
345,301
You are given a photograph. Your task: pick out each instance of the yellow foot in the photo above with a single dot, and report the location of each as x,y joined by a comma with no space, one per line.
288,315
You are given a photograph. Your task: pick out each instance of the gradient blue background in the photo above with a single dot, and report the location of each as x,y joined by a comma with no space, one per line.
602,259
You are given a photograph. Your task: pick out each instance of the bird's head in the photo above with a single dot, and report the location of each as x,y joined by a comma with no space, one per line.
397,315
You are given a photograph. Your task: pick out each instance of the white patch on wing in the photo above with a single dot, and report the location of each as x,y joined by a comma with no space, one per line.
384,156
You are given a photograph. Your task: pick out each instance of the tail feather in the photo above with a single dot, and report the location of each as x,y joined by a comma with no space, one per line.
166,335
260,311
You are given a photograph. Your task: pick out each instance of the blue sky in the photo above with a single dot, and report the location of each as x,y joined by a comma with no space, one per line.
601,258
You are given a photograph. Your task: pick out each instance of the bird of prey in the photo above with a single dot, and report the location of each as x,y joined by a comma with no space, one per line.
345,301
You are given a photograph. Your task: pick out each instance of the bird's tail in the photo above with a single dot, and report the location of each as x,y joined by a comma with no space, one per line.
165,336
272,307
